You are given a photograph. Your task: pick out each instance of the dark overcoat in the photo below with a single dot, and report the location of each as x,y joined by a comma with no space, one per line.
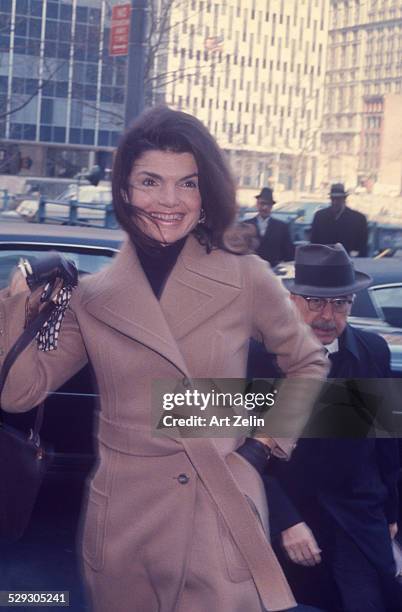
352,478
276,244
350,229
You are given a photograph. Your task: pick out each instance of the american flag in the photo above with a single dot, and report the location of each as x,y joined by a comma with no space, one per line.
213,43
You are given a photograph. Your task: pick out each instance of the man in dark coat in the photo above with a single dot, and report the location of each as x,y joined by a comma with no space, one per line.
275,244
345,486
338,223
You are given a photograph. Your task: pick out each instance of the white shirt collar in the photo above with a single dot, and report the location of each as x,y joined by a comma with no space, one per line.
333,347
262,224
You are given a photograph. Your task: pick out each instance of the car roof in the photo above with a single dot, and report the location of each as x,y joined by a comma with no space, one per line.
296,204
383,270
60,234
91,189
306,208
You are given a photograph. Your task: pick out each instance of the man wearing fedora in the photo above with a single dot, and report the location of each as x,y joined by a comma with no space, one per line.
275,244
342,483
338,223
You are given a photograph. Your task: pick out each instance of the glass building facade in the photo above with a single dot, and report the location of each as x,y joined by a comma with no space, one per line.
58,84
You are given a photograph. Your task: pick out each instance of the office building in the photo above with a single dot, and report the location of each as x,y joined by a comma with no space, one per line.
363,84
380,160
61,94
253,71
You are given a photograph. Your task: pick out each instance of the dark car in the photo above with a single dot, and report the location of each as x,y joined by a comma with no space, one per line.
69,412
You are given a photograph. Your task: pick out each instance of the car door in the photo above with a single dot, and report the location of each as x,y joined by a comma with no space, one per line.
69,411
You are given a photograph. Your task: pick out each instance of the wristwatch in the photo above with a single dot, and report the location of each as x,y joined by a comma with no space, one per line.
256,453
260,446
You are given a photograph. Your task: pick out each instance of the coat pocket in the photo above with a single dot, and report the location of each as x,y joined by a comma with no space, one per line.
235,563
93,549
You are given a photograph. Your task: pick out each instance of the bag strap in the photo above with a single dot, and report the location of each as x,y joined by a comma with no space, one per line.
18,347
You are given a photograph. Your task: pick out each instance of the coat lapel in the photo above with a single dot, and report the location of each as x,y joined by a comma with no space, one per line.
123,299
199,286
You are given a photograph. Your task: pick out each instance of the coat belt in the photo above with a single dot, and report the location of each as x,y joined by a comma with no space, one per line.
135,440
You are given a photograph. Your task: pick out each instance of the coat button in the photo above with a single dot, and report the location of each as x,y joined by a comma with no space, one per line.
1,352
186,382
183,478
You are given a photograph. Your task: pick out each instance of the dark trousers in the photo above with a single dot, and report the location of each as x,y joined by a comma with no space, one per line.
345,581
358,582
361,587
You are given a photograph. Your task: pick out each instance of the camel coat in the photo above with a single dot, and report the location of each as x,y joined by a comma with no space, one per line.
167,527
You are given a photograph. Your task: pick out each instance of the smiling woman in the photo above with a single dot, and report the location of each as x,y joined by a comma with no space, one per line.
165,195
170,164
173,523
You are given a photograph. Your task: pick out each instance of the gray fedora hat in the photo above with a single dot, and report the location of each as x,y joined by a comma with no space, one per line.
266,194
326,271
338,191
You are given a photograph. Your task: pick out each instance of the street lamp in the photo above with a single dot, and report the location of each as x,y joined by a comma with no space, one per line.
136,60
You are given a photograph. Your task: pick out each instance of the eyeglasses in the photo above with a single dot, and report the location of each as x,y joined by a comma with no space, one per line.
317,304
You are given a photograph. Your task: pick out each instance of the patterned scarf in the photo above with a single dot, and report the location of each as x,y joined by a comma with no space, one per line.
48,336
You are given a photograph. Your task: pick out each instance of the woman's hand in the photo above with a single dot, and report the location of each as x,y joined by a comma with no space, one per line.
17,283
300,545
393,530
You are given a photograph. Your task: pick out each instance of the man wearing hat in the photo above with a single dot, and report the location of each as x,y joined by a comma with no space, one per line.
275,244
338,223
344,483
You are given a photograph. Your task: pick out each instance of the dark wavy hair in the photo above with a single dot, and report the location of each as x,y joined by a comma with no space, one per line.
164,129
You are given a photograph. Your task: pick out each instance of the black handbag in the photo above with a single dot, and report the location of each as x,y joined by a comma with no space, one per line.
23,463
23,458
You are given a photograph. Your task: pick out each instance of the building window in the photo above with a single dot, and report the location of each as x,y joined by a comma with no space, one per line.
52,10
59,134
82,14
45,133
46,111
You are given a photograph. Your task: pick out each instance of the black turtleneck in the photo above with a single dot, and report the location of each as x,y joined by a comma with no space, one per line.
158,262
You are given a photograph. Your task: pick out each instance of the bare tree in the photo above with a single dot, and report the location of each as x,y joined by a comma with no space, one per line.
163,34
160,45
